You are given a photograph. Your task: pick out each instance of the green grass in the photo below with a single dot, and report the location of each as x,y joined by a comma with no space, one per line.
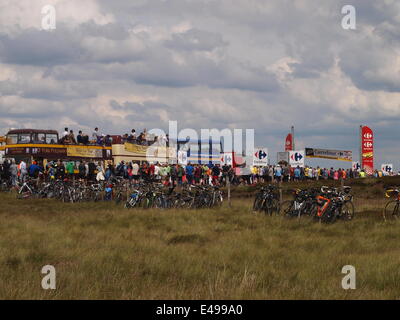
101,251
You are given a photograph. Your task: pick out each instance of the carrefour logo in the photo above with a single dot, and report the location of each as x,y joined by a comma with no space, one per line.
260,154
368,144
368,135
296,156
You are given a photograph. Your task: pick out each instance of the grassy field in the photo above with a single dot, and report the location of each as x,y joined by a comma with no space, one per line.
101,251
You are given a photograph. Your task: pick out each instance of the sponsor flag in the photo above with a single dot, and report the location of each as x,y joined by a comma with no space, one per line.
367,149
289,142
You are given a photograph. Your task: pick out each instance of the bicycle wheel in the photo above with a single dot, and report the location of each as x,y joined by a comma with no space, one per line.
286,208
272,206
218,200
257,203
391,211
347,212
25,195
117,198
313,210
330,215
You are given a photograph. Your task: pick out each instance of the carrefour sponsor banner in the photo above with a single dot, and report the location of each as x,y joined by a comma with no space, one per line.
84,152
260,157
367,149
296,158
387,168
135,148
355,165
226,158
341,155
182,157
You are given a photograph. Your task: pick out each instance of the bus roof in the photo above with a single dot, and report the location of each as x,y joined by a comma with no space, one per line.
18,131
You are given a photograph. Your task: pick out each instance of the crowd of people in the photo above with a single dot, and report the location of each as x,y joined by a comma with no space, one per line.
97,138
284,173
169,174
135,172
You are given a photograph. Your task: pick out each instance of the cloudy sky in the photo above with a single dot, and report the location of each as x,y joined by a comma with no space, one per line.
262,64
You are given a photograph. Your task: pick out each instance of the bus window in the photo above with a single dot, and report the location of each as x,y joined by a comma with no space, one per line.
24,138
39,138
12,139
51,138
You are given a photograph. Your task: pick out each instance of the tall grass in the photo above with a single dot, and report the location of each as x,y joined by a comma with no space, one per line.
101,251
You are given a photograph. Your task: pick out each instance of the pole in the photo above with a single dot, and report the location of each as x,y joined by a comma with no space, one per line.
228,182
360,148
293,147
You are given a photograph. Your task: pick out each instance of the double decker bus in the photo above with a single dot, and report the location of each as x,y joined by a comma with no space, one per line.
44,145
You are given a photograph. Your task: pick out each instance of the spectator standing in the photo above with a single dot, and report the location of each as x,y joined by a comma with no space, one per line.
189,173
135,172
13,169
23,171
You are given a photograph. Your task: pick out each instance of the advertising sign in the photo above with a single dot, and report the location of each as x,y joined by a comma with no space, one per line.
387,168
260,157
135,148
296,158
84,152
227,158
341,155
182,157
367,149
355,165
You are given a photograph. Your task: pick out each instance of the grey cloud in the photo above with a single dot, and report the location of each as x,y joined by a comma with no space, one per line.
195,39
43,48
223,59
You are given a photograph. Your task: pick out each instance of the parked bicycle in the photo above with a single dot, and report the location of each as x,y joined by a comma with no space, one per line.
391,211
267,201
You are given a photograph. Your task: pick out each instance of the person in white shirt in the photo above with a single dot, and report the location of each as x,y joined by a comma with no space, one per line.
157,171
65,133
95,135
135,172
23,171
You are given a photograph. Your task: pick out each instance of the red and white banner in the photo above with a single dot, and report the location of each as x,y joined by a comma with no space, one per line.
367,149
289,142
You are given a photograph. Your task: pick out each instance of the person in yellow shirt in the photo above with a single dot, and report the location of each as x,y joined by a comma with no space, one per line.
254,171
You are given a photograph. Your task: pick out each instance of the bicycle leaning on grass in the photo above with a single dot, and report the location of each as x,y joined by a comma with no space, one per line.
391,211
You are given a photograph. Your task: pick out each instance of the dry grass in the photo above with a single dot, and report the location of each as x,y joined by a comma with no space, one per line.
105,252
